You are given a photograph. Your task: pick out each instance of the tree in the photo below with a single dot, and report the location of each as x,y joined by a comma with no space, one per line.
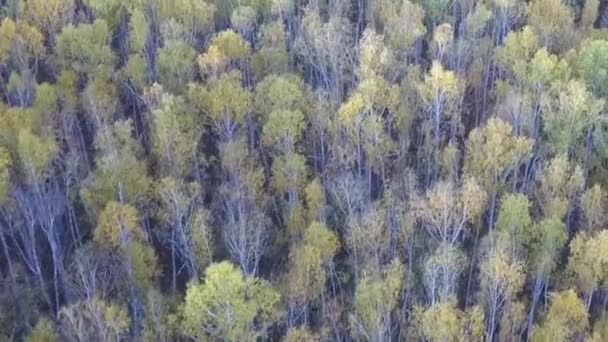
118,230
43,331
566,319
271,57
281,92
244,20
402,22
85,48
367,238
442,270
176,65
241,199
228,305
512,322
568,112
514,224
187,229
559,183
175,134
361,124
549,237
5,165
441,96
553,21
518,49
502,277
196,17
588,262
493,154
48,16
225,102
593,203
600,331
592,66
283,129
226,50
310,261
443,321
443,39
376,296
446,210
94,319
300,335
119,174
326,46
20,43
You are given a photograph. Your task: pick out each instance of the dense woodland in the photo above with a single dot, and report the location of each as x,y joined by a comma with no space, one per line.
304,170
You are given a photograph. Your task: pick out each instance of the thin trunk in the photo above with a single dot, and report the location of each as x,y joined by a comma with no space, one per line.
536,292
472,265
173,261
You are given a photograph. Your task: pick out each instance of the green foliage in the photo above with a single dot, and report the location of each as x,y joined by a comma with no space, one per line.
229,306
565,320
43,331
194,16
5,164
588,261
560,181
118,229
376,170
272,57
176,65
493,152
552,19
283,129
19,42
593,203
111,9
441,322
119,174
402,21
289,172
568,112
85,48
519,47
48,16
376,296
225,49
139,31
309,262
592,63
514,221
35,154
176,132
548,237
225,102
285,92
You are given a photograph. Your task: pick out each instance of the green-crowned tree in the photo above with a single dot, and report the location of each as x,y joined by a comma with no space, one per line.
311,260
229,306
593,203
119,173
85,48
548,238
566,319
376,297
588,263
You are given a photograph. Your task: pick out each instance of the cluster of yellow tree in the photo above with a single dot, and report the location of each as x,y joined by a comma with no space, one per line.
303,170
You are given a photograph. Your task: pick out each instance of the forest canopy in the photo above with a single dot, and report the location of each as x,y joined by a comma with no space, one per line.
304,170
